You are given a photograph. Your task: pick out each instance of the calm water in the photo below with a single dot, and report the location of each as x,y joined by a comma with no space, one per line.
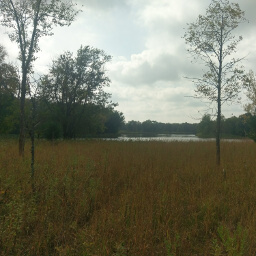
168,137
162,137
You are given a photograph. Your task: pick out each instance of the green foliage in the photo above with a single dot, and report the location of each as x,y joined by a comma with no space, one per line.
114,121
74,82
249,125
92,121
120,250
52,131
172,247
250,86
232,243
9,114
9,80
16,220
206,128
9,84
154,127
233,127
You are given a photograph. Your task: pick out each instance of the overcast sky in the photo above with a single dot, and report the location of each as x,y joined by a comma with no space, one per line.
149,54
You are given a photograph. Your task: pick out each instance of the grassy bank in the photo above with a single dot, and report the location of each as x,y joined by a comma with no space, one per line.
128,198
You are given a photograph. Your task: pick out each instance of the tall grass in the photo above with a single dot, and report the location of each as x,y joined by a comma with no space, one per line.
128,198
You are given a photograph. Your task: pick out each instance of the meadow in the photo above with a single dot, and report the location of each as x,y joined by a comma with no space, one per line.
101,198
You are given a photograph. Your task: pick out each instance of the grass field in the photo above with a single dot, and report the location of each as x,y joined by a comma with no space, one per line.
128,198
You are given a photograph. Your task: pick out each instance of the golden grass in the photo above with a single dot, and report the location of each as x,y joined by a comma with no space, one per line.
128,198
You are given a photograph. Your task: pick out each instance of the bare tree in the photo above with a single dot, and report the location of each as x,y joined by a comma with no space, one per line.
211,39
28,21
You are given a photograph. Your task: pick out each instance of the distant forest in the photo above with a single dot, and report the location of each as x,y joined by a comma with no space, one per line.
233,127
154,127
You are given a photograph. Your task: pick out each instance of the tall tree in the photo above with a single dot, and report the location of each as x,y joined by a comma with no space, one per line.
211,39
74,81
27,21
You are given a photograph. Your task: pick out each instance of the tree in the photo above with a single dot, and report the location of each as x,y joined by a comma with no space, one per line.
9,83
27,21
211,39
114,121
75,81
133,126
250,85
9,80
205,128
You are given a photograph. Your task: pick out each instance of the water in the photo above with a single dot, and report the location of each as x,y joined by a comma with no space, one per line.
169,138
162,137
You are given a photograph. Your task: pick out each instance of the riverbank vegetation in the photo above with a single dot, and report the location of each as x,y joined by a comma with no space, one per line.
128,198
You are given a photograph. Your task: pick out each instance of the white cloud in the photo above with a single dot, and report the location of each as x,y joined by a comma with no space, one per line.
146,68
103,4
161,102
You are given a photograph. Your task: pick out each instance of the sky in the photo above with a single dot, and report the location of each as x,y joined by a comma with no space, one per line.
150,62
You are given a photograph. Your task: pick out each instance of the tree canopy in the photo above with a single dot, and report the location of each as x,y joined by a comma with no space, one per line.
73,82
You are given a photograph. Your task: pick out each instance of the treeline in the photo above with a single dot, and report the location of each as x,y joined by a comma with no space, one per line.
69,101
154,127
242,126
91,120
233,127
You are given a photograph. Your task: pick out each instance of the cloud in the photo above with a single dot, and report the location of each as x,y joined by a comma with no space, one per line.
161,102
103,4
146,68
168,12
153,66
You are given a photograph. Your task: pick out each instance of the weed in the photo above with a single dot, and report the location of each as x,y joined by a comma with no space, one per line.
231,243
128,198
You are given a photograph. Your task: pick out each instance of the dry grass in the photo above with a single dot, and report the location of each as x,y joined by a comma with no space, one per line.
128,198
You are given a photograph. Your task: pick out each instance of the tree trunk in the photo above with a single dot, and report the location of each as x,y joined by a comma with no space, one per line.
218,130
22,115
32,136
